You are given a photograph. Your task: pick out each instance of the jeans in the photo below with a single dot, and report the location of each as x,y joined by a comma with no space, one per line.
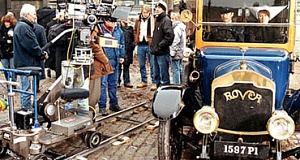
176,70
25,98
9,64
110,82
161,67
143,50
126,76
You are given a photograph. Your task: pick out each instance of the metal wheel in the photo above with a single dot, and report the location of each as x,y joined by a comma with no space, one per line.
2,150
169,140
94,139
86,137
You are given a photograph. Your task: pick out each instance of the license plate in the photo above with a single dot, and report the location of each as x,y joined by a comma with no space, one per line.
249,150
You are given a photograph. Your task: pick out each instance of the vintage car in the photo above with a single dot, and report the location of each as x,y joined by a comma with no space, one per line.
232,102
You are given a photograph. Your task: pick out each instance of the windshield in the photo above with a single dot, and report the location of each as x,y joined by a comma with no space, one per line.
251,21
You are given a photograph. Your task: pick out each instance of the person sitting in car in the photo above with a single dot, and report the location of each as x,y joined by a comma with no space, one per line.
265,34
226,33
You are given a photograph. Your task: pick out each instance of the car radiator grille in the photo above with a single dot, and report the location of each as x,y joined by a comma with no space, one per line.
243,107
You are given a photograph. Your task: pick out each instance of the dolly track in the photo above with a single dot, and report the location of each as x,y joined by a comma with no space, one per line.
88,151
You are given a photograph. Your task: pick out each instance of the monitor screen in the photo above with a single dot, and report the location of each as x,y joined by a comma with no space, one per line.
107,1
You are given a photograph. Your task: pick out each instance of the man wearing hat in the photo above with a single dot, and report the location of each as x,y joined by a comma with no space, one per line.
163,36
226,15
111,28
227,33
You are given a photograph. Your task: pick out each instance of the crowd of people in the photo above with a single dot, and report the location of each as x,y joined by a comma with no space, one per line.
152,36
160,40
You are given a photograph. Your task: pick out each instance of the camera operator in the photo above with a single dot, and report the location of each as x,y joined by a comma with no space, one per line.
50,62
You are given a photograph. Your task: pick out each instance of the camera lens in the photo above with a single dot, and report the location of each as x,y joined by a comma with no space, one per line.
92,19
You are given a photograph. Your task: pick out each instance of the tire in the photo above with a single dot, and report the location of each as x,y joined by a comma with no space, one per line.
169,140
86,137
94,139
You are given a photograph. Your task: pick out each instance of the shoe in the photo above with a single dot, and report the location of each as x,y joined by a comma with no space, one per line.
103,112
115,109
153,87
142,85
128,85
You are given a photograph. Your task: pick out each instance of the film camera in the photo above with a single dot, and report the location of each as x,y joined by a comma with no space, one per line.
92,12
86,14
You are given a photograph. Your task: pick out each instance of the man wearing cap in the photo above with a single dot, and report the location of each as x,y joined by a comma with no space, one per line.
110,28
225,33
226,15
163,36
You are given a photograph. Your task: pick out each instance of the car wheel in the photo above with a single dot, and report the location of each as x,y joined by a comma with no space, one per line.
169,140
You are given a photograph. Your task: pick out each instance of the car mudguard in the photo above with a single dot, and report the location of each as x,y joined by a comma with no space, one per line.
167,102
293,105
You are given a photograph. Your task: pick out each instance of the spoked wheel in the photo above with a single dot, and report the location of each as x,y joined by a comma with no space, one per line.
169,140
2,150
94,139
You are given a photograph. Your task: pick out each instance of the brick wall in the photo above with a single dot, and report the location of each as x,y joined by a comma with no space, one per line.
16,5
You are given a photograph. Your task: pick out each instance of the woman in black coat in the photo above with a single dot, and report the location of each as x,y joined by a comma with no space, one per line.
128,58
6,42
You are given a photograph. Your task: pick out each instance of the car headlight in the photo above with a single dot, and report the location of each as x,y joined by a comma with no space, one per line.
206,120
281,126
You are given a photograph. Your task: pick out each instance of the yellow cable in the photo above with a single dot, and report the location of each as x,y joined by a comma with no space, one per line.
94,111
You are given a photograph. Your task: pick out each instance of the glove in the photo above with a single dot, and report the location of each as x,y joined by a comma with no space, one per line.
44,55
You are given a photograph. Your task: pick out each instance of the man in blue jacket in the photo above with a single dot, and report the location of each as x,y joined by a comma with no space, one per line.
42,40
110,28
27,51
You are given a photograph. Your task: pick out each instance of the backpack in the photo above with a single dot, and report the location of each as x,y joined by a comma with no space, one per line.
54,31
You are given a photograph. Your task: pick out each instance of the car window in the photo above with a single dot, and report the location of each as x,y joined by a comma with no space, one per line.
259,21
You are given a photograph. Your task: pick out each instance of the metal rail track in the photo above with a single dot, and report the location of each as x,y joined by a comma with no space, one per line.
99,118
92,150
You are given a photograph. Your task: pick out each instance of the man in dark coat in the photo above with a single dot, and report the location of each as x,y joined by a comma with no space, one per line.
128,57
27,51
227,33
163,36
42,40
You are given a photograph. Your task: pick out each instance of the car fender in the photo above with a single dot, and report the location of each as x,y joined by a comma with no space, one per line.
293,105
167,102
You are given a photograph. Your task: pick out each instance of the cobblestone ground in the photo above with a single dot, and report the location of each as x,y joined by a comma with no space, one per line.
143,142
